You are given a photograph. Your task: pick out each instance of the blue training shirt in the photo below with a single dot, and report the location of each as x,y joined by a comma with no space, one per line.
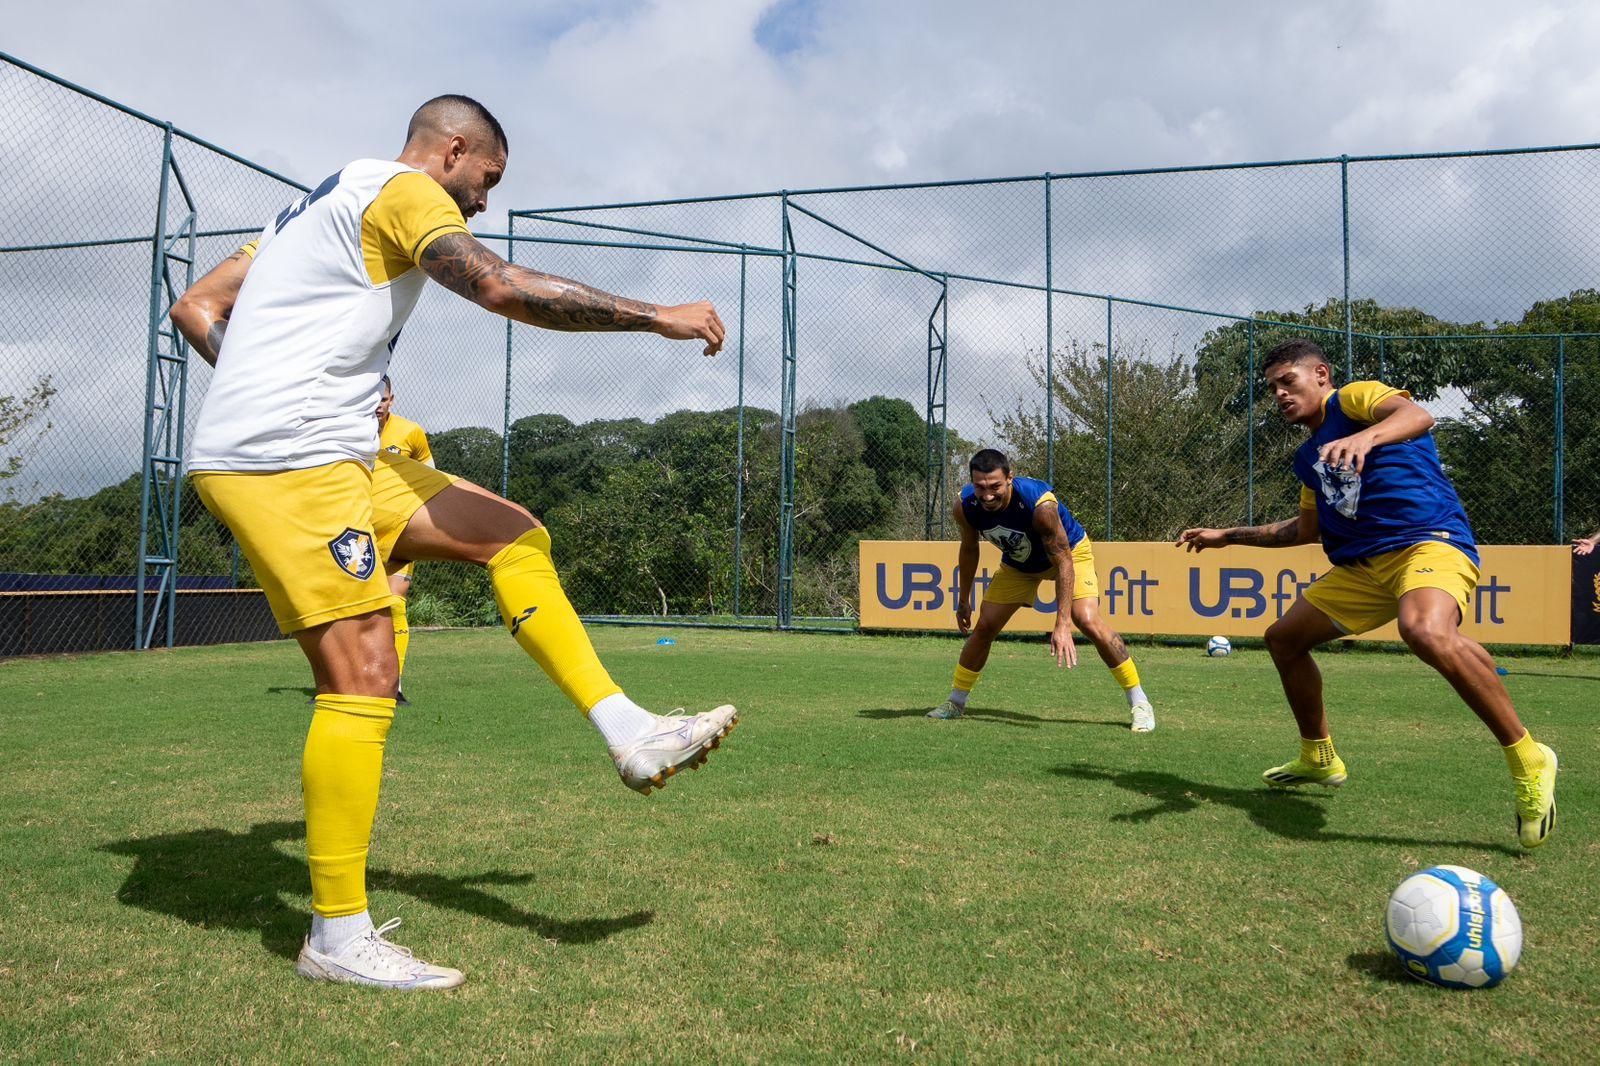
1011,528
1401,497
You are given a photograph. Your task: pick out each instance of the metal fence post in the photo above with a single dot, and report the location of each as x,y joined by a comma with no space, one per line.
1250,426
1110,422
505,418
1344,217
1383,354
738,483
1561,440
788,433
937,397
1049,342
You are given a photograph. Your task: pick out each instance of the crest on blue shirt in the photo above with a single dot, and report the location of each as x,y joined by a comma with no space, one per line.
1341,487
1014,545
354,552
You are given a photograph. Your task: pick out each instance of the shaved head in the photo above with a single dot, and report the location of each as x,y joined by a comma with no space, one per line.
456,116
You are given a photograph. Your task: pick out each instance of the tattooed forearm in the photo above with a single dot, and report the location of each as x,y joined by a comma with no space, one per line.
1277,535
459,263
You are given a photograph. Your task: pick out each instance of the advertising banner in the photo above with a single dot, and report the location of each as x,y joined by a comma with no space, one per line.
1524,593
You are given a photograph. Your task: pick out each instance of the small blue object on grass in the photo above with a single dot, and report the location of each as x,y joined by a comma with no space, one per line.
1502,671
665,641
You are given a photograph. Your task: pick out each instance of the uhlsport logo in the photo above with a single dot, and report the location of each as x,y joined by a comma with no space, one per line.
354,553
516,623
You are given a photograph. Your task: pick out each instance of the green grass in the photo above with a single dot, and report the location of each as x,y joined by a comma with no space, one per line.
845,880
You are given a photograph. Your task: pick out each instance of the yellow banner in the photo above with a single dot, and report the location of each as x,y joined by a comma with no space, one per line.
1524,593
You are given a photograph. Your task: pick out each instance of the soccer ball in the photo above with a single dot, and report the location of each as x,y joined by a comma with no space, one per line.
1455,928
1219,646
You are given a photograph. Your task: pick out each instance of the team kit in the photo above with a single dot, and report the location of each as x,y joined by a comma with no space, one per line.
332,499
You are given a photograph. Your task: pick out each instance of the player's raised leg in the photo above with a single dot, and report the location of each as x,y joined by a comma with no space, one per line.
992,618
464,522
1114,653
1430,625
1289,641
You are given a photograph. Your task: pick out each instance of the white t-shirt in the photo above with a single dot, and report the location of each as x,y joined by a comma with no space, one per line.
333,280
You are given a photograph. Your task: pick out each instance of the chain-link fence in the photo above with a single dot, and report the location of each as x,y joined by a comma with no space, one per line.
1105,329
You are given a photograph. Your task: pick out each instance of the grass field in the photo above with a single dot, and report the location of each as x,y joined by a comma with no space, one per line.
844,880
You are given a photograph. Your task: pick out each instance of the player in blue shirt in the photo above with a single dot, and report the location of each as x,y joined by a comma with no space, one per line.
1389,519
1039,541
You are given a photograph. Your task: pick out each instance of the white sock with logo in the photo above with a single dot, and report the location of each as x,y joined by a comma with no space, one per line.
621,721
328,935
1136,695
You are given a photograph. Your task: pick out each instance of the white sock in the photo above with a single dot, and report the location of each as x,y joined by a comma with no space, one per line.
328,935
1136,695
958,697
620,720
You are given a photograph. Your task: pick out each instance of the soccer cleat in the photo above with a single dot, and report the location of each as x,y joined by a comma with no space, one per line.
1144,717
1300,772
1536,802
369,959
947,709
684,740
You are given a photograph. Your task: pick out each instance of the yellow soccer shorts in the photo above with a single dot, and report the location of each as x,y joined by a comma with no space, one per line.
1366,594
1014,587
399,487
318,538
308,535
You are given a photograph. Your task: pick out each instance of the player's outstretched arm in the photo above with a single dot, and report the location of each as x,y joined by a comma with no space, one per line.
461,263
966,569
1302,529
201,313
1585,545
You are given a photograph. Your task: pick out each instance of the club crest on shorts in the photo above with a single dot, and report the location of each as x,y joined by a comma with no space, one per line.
354,552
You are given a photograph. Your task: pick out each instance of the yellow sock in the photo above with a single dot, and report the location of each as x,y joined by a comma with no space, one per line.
1524,757
402,633
339,775
964,679
1127,674
536,610
1317,752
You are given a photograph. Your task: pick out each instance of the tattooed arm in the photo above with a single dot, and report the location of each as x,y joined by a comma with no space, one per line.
1289,532
201,313
460,263
1047,523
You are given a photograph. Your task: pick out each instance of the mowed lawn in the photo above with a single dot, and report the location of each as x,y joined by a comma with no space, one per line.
845,879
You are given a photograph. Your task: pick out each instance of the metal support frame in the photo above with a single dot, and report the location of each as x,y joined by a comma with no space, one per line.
937,405
739,471
1049,340
1344,220
166,390
505,418
1111,453
1561,441
787,405
1250,427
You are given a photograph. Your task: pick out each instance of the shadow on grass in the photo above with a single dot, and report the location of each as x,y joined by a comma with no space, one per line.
1293,815
304,690
989,714
1549,673
218,879
1380,966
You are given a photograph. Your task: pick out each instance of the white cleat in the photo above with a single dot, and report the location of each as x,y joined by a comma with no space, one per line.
684,740
1144,717
369,959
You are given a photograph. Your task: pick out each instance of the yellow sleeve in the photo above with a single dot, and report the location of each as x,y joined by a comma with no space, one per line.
418,442
1308,499
410,213
1048,497
1360,399
250,249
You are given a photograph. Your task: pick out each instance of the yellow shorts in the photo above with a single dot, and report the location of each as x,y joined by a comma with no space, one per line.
399,487
308,535
1013,586
318,538
1366,594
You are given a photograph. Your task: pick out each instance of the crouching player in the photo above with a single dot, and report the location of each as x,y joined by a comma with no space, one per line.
1392,525
1039,541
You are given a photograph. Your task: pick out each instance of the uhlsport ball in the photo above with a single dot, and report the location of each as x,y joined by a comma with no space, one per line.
1218,646
1455,928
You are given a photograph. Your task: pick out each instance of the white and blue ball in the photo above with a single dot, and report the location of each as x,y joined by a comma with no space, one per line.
1217,647
1455,928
